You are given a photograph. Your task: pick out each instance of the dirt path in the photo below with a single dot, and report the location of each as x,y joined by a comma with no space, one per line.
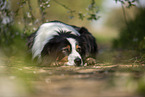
19,78
89,81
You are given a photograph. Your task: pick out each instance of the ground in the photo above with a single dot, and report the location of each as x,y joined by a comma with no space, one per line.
112,75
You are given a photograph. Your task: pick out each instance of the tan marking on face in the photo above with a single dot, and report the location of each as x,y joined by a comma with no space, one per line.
67,47
77,47
65,59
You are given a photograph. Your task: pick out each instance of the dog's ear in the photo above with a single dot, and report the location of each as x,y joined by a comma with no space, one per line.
88,43
46,50
83,30
30,40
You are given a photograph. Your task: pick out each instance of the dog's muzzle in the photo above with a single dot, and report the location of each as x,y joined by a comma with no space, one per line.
77,62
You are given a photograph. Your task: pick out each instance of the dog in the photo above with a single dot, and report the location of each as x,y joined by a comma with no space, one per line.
56,41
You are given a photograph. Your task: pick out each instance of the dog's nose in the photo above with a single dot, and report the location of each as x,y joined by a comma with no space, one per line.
77,61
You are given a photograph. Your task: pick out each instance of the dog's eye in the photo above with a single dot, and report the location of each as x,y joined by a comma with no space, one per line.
65,50
79,49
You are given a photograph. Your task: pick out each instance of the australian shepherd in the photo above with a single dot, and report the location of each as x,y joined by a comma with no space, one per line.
56,41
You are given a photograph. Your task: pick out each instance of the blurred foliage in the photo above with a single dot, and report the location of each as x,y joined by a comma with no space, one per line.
5,22
21,17
8,31
132,36
91,11
116,19
129,3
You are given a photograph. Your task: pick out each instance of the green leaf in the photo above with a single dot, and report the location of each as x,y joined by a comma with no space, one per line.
81,16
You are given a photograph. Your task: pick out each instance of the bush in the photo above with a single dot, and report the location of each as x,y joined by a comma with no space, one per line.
133,35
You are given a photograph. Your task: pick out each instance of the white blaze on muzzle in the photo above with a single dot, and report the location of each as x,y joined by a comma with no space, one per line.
74,54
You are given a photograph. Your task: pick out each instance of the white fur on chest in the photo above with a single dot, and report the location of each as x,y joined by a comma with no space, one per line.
45,33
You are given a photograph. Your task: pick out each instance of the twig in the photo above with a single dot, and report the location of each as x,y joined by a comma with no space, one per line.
124,14
64,6
42,12
30,8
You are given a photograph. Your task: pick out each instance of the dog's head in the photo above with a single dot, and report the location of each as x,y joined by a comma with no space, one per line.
64,48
